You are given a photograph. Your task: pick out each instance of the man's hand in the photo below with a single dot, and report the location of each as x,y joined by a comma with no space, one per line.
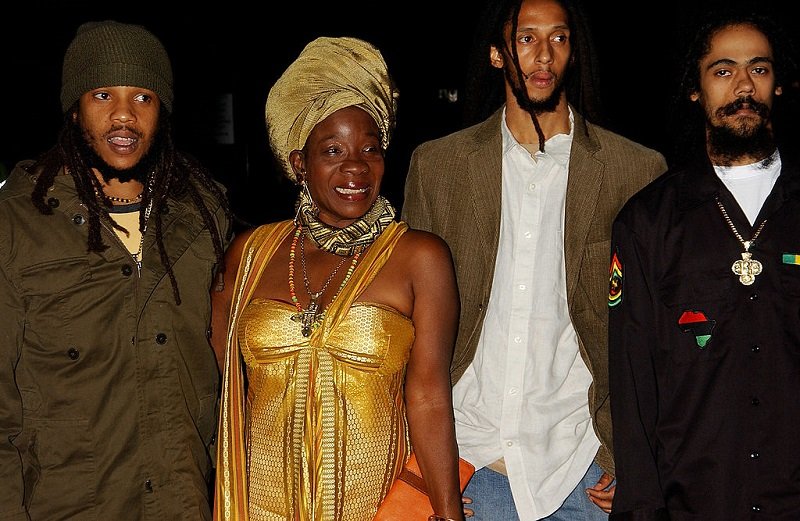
602,494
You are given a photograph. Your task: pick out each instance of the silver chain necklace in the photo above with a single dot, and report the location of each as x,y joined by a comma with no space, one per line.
137,257
747,267
313,304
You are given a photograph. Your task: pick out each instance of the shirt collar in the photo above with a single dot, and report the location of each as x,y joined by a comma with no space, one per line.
557,147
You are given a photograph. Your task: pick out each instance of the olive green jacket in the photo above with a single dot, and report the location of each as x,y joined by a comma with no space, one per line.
453,189
108,389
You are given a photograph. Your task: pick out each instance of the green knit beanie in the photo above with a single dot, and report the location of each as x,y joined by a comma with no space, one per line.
112,54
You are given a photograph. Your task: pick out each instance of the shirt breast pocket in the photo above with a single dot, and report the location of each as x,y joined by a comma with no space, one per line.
789,273
696,305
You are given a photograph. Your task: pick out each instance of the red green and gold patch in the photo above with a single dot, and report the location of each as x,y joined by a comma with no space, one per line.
615,282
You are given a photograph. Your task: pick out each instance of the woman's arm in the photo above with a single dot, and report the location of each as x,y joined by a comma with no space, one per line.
427,386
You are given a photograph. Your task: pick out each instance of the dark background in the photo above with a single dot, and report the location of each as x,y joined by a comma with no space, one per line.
225,58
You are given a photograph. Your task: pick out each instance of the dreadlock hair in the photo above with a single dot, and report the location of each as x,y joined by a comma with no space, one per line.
688,119
485,85
174,175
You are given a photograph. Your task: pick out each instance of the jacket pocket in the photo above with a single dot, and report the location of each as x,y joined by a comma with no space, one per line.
54,277
695,302
594,276
59,466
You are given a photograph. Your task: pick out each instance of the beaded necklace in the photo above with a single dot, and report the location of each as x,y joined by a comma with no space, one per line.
115,199
311,317
123,200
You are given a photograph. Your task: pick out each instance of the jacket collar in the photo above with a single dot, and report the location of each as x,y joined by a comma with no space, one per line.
701,184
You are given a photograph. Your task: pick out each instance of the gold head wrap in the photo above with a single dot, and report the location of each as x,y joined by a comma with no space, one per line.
328,75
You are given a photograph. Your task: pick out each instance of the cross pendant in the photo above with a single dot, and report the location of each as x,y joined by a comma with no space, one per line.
747,268
307,317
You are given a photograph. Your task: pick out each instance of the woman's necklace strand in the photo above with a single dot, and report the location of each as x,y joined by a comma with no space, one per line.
311,317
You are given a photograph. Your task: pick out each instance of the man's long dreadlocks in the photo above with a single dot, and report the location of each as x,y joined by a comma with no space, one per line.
174,175
485,88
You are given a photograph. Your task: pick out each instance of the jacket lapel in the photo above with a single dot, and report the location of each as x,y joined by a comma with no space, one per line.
179,230
583,191
484,185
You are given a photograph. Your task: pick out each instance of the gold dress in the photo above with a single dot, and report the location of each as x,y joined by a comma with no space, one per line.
325,429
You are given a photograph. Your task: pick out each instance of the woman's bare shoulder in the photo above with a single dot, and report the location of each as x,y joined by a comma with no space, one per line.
424,247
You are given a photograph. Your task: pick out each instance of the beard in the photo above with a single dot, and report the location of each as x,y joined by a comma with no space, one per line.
734,142
533,106
140,172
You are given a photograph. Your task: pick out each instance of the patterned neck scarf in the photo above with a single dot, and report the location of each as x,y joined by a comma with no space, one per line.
344,241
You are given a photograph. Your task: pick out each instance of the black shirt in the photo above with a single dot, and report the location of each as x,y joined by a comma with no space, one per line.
705,370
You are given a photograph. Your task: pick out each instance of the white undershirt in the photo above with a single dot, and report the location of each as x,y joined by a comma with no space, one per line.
751,184
524,397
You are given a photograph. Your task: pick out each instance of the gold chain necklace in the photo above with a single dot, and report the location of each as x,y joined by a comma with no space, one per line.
311,317
747,267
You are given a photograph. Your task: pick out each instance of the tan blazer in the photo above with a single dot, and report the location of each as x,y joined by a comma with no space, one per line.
453,189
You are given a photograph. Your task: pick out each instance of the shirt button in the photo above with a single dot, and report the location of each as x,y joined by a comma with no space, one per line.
53,202
755,455
78,219
509,443
127,270
531,187
756,508
755,349
148,485
527,235
513,391
73,353
523,287
517,340
161,339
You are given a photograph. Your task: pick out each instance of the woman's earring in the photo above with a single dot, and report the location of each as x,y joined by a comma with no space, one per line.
307,190
299,203
304,201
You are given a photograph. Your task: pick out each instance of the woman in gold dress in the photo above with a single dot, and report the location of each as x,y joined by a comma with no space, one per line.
335,330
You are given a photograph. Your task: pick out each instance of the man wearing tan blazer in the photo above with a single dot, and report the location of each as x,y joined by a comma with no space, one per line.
525,200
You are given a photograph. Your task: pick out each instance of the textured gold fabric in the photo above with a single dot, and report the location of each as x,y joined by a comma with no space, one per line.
326,431
230,487
328,75
326,422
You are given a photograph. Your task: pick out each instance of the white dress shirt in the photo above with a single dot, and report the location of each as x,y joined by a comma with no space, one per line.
524,396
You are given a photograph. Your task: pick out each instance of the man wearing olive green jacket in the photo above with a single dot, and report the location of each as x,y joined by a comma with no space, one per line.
110,240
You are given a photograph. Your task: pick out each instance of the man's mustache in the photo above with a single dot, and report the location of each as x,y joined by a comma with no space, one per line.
737,105
128,128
